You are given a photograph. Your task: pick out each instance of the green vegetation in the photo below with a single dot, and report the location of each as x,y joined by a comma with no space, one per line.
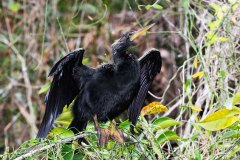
199,82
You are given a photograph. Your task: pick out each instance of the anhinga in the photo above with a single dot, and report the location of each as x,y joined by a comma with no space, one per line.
102,93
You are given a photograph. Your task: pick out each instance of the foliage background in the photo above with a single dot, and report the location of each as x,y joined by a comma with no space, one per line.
34,34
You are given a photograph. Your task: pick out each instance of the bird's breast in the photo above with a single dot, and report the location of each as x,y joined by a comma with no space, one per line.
129,71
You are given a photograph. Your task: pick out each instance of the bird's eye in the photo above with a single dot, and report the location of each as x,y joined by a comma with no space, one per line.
130,33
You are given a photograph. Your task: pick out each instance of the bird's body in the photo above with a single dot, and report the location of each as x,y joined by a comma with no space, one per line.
111,89
104,92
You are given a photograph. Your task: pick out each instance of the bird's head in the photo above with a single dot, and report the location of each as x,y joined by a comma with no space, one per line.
122,44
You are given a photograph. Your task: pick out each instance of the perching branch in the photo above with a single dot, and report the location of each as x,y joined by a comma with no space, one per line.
42,148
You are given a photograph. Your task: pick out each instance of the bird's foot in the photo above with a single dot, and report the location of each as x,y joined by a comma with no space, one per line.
105,134
117,135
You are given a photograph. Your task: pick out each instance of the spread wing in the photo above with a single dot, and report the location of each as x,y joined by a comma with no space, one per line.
63,89
150,65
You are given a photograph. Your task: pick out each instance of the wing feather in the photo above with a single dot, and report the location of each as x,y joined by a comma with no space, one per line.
63,89
150,65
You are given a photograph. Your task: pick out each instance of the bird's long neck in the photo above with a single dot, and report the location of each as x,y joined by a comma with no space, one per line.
118,56
127,67
125,60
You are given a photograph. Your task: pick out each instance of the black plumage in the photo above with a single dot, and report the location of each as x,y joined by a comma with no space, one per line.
104,92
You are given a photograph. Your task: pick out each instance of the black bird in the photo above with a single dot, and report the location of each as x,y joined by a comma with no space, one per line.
102,93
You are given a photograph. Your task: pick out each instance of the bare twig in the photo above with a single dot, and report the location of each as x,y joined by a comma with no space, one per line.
42,148
154,96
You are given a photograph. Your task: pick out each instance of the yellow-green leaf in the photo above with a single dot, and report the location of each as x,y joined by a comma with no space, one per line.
164,122
157,6
221,113
61,132
220,14
223,39
210,35
195,62
235,6
153,107
213,25
14,6
196,108
220,119
44,88
236,99
147,7
198,75
215,6
65,118
219,124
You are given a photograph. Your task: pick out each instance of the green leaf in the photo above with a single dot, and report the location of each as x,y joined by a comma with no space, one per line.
221,119
61,132
78,156
65,118
44,88
235,126
67,152
222,74
187,85
157,6
147,7
231,134
164,122
30,143
125,125
14,6
167,136
193,137
197,155
85,60
184,107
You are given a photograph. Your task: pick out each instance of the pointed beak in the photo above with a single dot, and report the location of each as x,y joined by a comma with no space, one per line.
141,32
